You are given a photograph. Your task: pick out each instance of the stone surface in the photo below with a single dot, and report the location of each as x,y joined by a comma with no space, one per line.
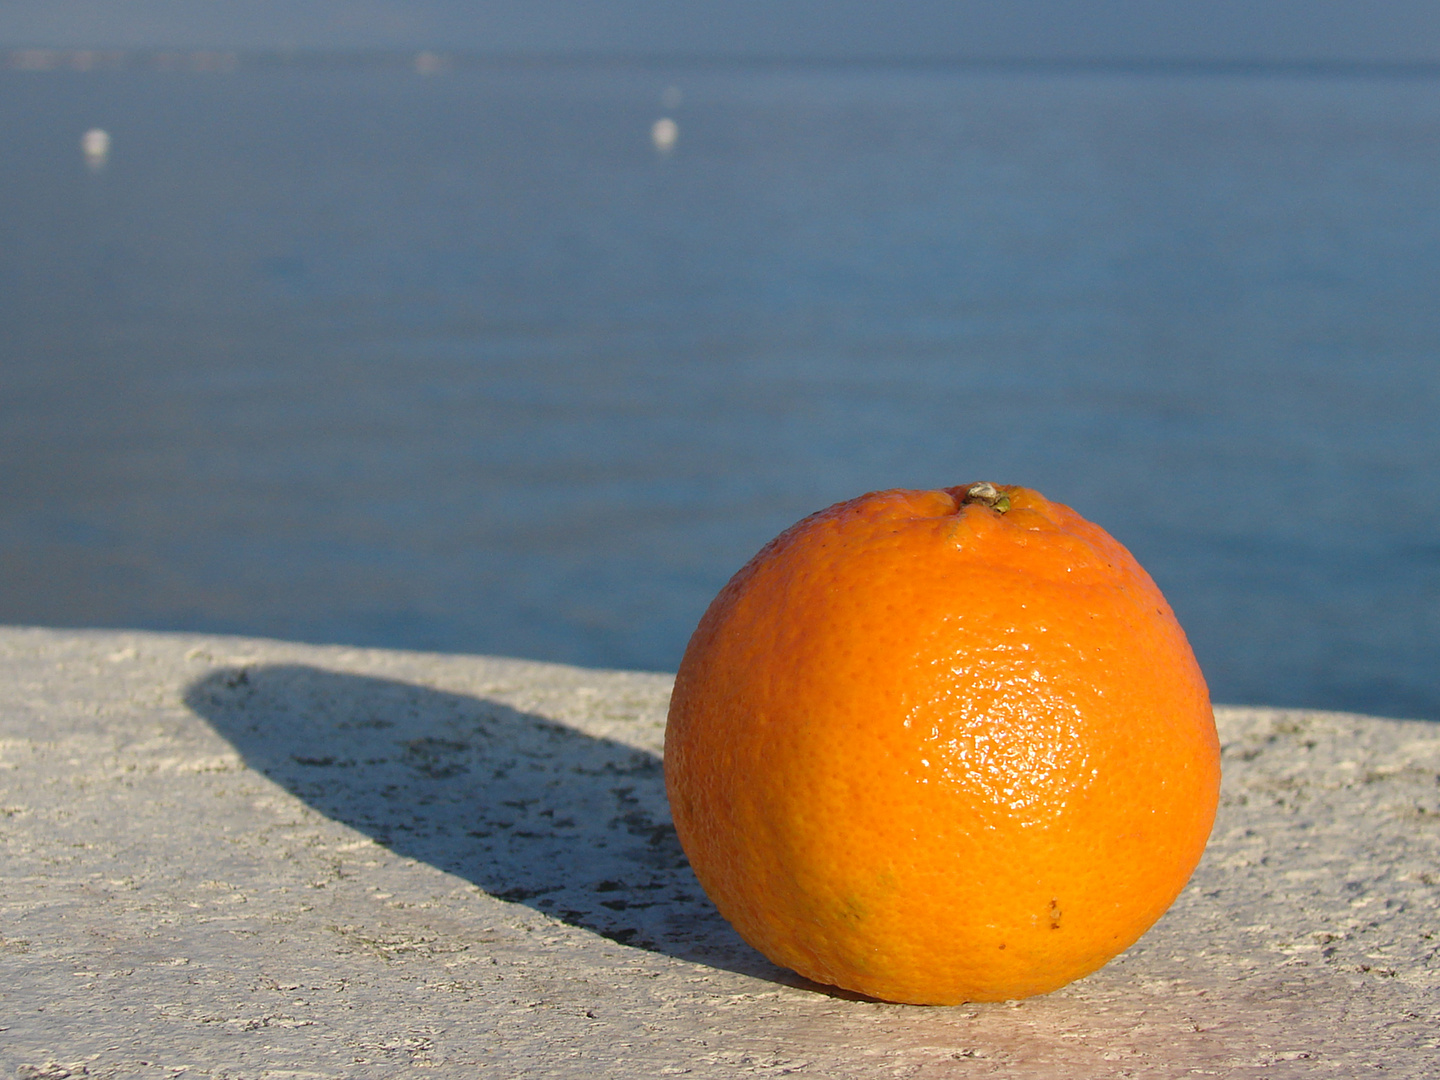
233,858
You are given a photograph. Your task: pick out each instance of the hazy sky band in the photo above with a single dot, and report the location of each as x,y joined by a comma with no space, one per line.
1230,30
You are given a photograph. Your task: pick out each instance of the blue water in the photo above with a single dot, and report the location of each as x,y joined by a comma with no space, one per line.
463,363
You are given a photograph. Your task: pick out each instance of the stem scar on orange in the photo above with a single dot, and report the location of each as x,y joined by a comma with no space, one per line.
942,746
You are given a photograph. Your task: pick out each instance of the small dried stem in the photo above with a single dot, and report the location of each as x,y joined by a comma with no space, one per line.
987,494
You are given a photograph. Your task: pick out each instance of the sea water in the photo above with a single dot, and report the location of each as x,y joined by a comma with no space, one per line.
477,360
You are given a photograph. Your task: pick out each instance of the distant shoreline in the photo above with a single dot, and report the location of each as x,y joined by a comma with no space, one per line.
434,62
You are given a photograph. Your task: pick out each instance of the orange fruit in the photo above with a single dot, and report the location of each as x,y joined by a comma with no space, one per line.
942,746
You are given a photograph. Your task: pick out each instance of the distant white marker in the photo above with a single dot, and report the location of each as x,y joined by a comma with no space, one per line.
664,134
95,144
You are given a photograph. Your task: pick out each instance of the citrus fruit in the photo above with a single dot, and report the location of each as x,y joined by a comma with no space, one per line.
942,746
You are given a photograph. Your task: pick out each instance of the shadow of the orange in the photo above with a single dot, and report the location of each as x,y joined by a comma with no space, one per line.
531,811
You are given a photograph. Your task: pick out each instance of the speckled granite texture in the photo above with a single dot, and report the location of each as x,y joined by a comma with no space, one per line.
234,858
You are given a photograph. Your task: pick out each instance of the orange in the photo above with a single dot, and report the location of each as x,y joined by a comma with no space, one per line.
942,746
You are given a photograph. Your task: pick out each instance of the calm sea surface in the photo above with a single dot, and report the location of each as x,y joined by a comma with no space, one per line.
462,362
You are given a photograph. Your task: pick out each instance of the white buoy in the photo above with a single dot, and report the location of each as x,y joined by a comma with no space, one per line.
664,134
95,144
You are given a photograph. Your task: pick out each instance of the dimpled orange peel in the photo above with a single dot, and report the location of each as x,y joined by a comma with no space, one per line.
942,746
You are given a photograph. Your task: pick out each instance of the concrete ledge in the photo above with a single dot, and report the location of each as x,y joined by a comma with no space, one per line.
234,858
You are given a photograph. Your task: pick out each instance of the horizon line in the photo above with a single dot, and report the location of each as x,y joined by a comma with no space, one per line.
430,61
